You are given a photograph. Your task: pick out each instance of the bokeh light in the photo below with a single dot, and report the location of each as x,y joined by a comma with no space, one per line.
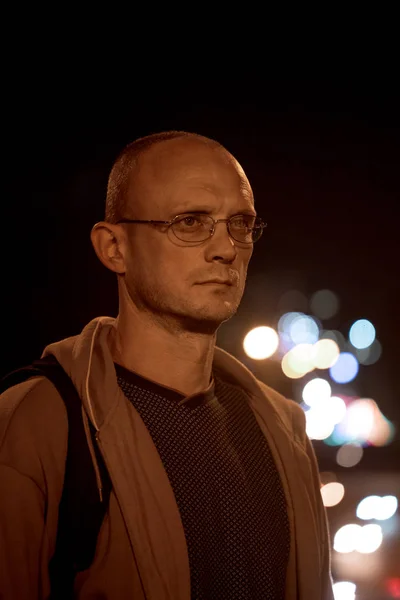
380,508
326,353
335,439
324,304
371,355
332,493
322,417
369,538
285,322
364,423
261,342
345,539
367,508
298,361
393,586
288,370
349,455
315,391
344,590
336,336
303,330
387,508
383,430
362,334
364,539
339,418
337,409
322,411
318,424
359,420
345,368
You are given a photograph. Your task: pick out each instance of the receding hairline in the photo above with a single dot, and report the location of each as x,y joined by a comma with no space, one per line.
120,178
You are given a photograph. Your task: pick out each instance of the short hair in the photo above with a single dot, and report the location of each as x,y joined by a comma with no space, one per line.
119,178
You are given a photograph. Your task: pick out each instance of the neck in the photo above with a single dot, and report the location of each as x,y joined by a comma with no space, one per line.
177,359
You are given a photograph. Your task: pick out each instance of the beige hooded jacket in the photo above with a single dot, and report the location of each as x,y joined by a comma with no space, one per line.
141,551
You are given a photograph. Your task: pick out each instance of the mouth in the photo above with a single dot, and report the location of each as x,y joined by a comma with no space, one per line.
228,282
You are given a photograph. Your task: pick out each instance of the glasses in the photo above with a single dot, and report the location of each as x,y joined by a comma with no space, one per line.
198,227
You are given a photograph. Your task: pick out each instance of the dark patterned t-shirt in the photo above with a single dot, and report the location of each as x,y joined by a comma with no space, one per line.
226,485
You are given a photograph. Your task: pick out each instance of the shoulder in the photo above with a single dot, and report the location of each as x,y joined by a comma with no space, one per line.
271,403
33,428
28,404
288,412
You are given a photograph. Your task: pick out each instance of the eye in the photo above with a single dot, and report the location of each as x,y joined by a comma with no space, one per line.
190,221
243,221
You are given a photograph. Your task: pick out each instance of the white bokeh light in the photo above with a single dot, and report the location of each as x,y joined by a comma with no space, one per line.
337,409
364,539
377,507
261,343
369,539
387,508
332,493
315,391
367,508
318,424
344,590
346,538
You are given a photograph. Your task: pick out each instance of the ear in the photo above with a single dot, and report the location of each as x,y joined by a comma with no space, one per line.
109,243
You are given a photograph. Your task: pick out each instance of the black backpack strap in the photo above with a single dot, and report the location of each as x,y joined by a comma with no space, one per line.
81,511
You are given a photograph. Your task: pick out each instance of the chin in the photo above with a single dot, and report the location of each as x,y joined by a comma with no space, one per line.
207,320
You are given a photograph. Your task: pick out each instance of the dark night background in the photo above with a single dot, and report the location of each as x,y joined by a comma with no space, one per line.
323,160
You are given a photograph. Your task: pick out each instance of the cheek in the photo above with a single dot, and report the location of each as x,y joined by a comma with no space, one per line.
145,255
160,264
244,259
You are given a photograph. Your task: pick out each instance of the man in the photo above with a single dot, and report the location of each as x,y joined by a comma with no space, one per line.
215,483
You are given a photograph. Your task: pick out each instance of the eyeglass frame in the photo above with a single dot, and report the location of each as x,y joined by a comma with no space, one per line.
261,226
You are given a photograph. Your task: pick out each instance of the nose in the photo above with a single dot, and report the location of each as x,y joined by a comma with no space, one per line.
221,247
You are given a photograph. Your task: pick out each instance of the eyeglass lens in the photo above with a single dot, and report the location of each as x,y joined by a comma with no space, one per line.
196,228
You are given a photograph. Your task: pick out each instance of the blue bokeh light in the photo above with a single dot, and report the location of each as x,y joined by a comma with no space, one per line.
345,368
304,330
362,334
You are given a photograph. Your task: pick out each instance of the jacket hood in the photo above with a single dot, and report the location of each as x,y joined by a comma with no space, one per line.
87,359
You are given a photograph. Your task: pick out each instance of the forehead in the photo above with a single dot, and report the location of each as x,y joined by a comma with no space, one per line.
178,170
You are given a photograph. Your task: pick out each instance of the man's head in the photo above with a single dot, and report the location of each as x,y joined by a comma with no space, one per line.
157,178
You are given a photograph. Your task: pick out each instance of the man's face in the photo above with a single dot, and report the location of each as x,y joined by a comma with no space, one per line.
168,277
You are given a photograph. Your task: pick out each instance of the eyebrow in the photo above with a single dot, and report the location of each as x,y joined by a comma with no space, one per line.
208,211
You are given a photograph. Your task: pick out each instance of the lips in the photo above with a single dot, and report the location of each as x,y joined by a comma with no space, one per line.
218,281
229,277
